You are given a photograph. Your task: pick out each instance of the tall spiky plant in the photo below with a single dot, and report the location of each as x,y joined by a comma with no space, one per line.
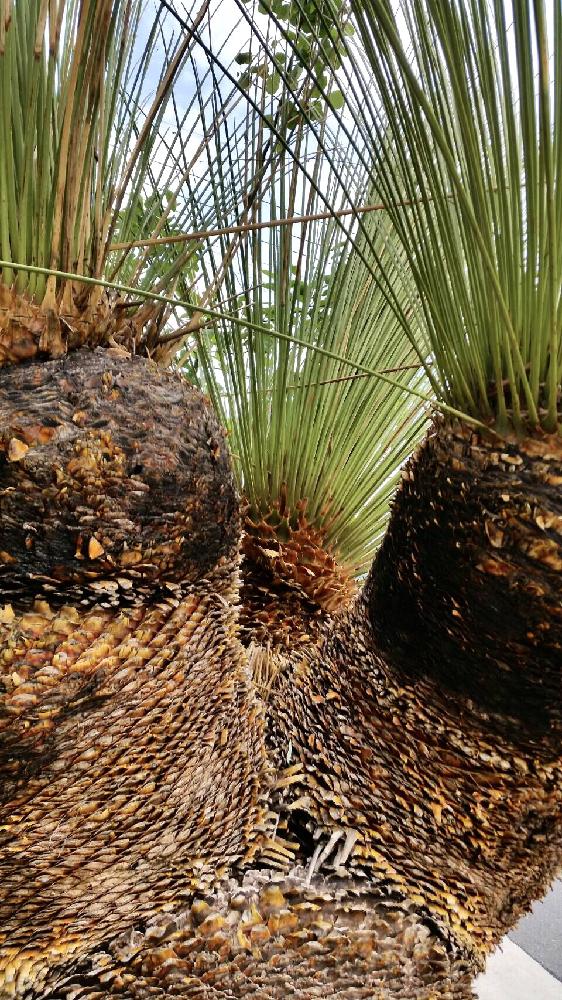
473,97
93,158
322,359
462,103
370,816
320,414
71,154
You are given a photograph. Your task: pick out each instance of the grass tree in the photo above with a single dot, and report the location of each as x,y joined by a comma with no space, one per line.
451,656
323,411
266,776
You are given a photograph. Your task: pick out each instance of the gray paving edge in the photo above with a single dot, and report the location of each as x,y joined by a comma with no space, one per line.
511,974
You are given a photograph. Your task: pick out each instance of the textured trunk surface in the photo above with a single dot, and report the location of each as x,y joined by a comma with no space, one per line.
124,688
372,826
467,586
291,581
90,317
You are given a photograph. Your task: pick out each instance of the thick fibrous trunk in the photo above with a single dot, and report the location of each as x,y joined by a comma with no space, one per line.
115,482
429,722
368,827
467,587
124,688
465,600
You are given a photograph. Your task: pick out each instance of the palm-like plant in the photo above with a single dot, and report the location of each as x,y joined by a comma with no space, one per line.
462,103
365,792
94,161
71,157
473,98
323,412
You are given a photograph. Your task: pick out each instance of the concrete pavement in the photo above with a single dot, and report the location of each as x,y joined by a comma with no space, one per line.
540,934
528,966
512,975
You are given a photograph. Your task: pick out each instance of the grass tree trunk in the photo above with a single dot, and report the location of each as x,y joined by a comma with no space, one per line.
132,757
465,602
224,773
369,822
429,723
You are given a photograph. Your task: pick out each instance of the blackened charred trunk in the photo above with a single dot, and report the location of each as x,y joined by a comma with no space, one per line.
115,481
467,586
428,721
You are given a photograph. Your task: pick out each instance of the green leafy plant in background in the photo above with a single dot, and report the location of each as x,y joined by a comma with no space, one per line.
229,762
320,413
73,149
314,46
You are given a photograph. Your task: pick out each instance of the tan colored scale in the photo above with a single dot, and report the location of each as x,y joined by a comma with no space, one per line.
28,330
205,793
271,939
132,807
291,577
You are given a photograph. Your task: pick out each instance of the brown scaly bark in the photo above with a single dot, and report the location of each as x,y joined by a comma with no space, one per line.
371,827
92,318
292,581
435,705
